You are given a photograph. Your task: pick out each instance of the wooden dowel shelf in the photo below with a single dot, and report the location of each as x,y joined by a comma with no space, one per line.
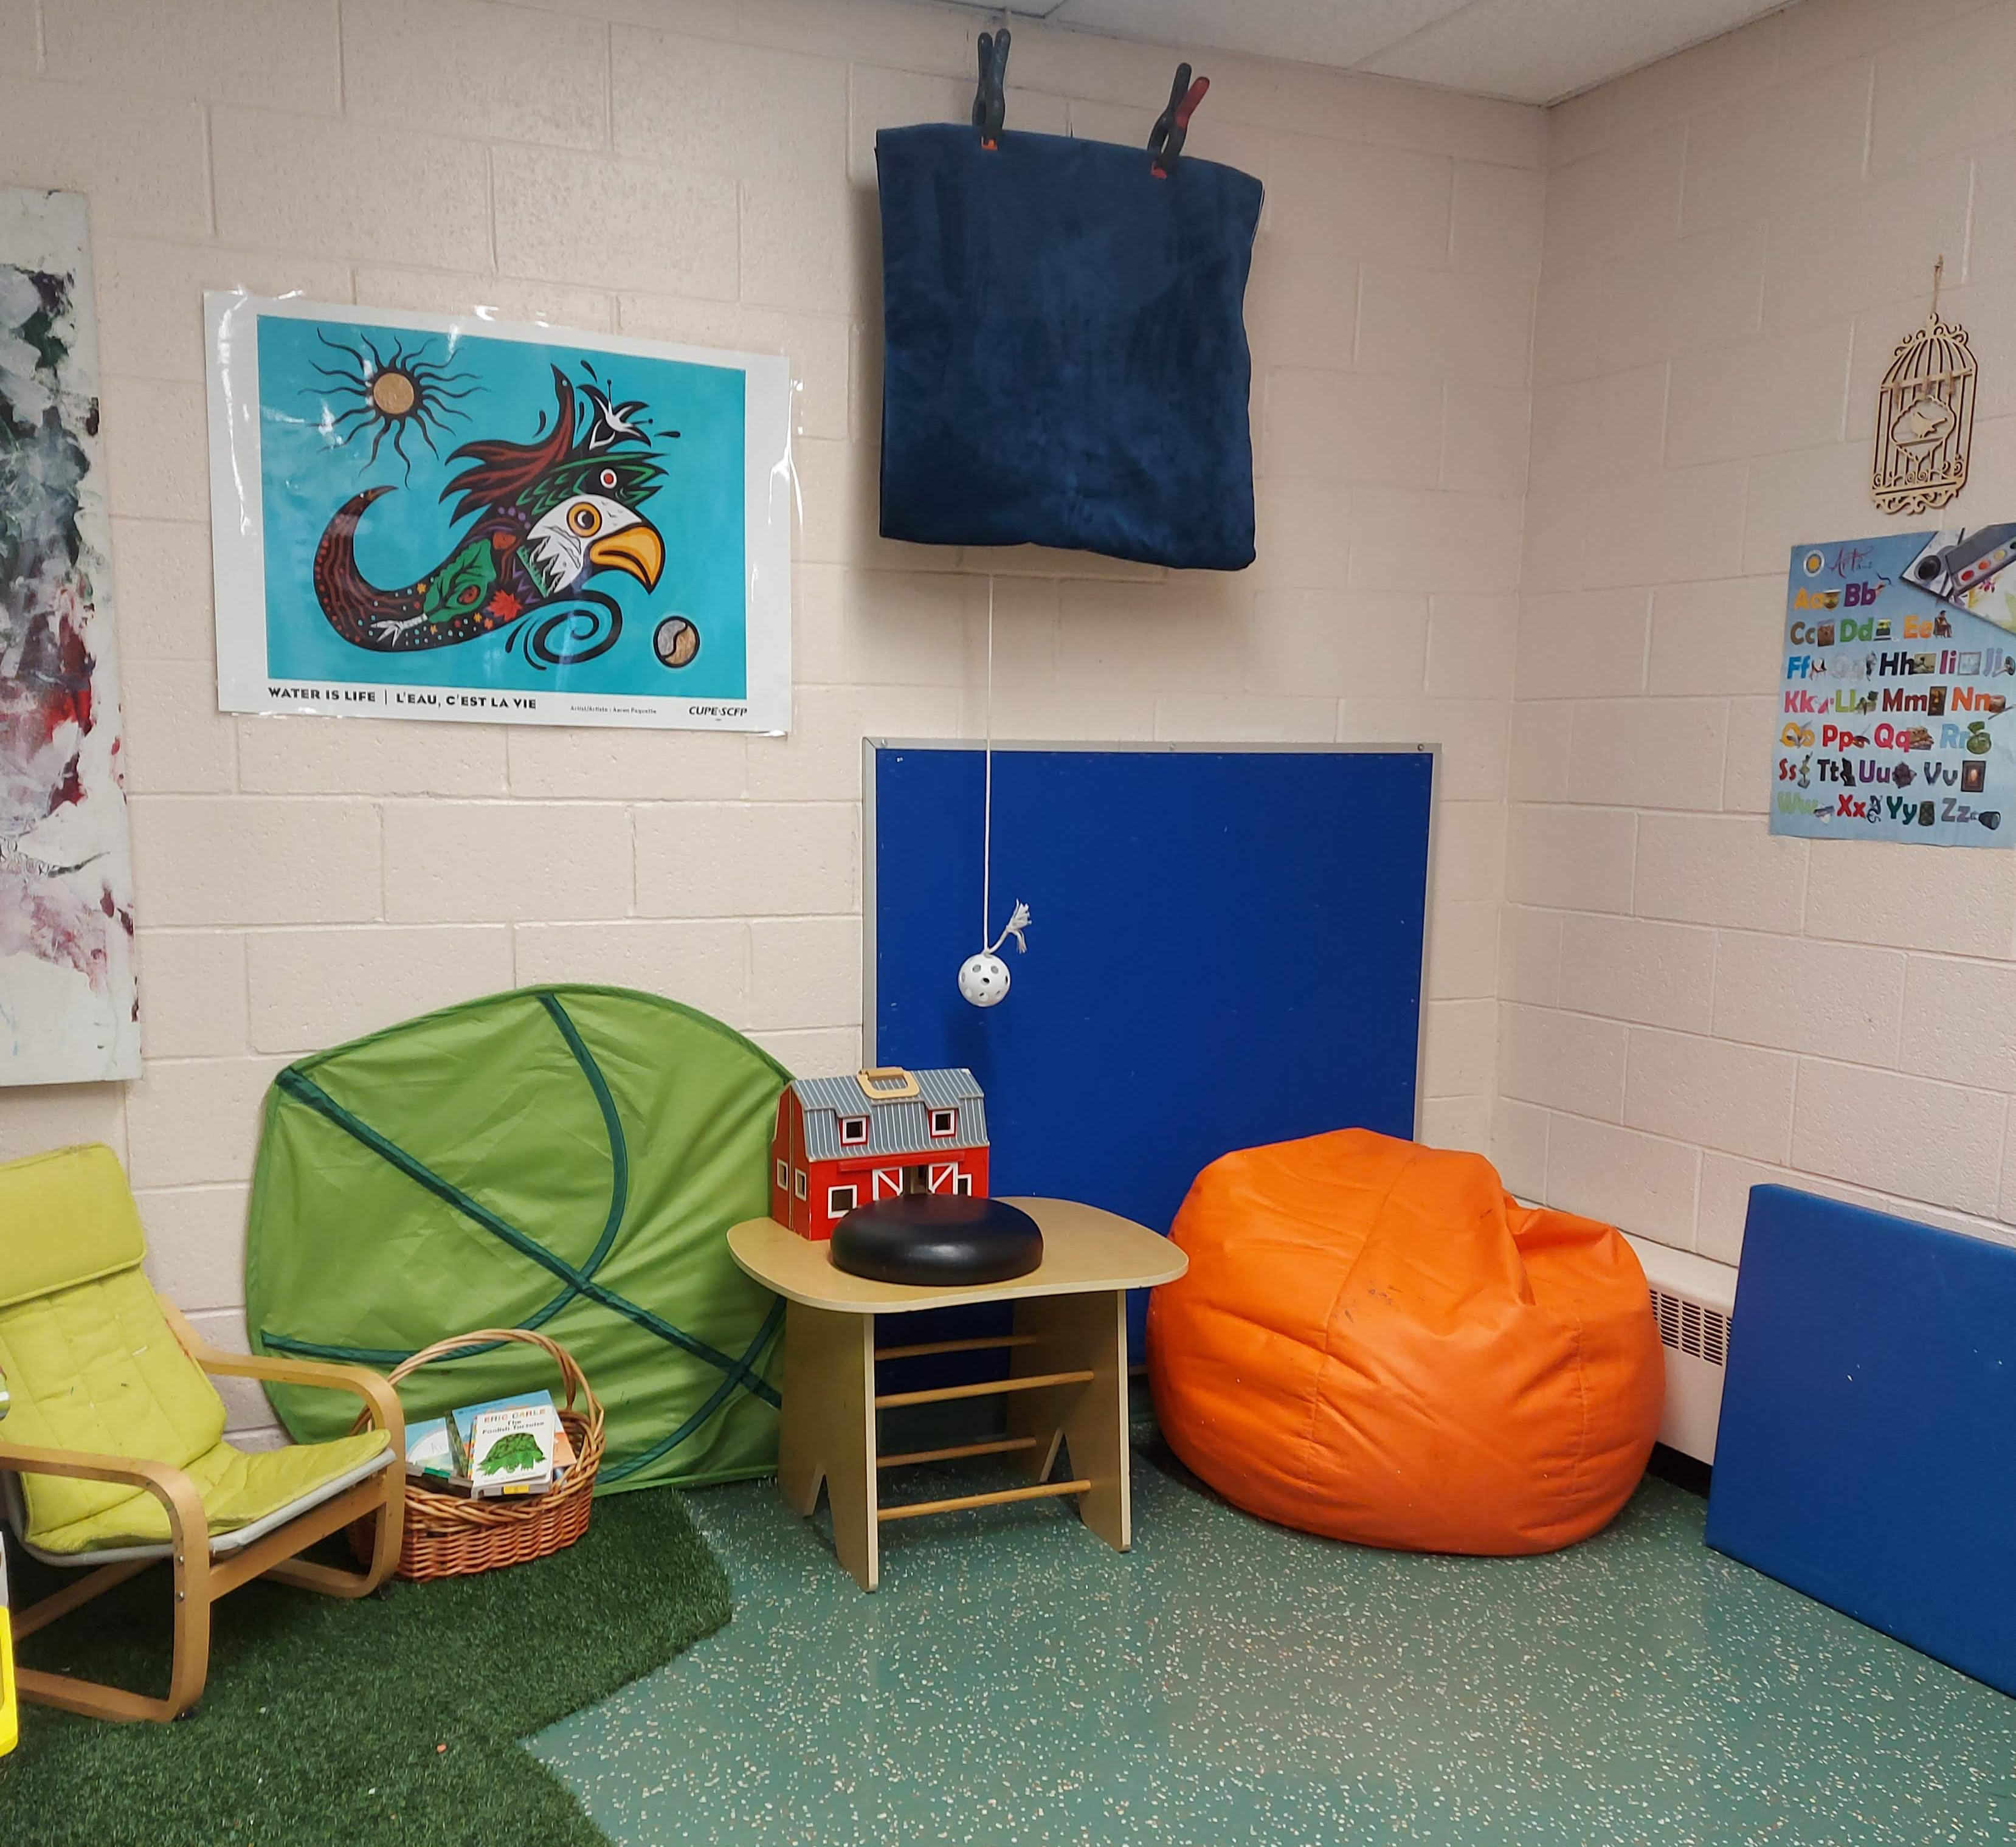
999,1446
982,1344
981,1389
911,1510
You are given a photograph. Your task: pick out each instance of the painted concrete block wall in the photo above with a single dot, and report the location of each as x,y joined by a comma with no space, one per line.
704,172
1736,239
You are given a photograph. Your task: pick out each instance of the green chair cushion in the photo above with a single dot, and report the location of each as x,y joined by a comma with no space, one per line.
94,1367
238,1486
68,1217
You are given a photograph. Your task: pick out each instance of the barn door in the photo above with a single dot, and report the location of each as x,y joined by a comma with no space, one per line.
887,1183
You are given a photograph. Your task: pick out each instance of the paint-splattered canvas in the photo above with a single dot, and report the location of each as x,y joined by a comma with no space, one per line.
69,1012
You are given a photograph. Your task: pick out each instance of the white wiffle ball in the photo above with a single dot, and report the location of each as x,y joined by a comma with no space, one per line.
983,979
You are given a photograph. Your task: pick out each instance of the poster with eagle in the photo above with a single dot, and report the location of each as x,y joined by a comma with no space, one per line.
428,516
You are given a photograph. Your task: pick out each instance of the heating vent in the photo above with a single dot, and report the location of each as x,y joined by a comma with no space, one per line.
1687,1327
1694,1303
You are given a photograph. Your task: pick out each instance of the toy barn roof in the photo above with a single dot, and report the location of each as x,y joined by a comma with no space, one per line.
897,1126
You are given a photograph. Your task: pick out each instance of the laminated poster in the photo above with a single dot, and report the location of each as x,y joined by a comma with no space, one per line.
1900,665
435,517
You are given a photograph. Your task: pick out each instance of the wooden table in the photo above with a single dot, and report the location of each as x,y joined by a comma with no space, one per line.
1066,1382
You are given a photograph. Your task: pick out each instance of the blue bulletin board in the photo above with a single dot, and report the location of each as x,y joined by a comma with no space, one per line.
1227,950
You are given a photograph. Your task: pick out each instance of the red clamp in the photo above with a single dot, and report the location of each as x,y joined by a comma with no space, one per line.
1165,140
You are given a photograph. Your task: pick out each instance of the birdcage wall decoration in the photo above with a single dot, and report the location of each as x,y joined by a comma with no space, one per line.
1925,416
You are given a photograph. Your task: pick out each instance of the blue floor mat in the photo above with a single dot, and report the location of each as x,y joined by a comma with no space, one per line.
1867,1450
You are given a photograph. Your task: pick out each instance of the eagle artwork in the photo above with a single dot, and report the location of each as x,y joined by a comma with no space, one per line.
546,518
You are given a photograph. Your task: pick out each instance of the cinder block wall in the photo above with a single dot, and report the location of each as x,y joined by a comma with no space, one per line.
704,172
1736,240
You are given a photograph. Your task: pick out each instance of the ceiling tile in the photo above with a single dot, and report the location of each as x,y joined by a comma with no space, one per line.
1311,31
1530,51
1541,51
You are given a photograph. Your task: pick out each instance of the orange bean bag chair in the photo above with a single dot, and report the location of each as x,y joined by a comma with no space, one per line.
1373,1341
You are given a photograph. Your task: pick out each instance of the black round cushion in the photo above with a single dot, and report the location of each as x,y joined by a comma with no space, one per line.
937,1239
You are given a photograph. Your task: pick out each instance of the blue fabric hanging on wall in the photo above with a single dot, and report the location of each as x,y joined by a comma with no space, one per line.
1064,359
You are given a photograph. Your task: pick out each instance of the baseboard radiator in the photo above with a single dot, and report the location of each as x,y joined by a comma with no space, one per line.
1693,1300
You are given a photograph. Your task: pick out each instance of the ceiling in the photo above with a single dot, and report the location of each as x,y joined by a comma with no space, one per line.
1532,51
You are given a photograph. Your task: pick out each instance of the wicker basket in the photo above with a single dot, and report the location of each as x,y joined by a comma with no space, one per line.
447,1536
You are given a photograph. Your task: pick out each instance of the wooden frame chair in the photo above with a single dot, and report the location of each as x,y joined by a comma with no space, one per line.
204,1566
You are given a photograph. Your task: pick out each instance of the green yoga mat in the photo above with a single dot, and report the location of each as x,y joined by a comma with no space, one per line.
568,1159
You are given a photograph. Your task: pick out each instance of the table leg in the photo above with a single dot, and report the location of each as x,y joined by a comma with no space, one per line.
800,1469
1076,1332
828,1431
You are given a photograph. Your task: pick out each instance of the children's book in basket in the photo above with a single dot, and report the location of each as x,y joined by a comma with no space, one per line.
505,1446
499,1481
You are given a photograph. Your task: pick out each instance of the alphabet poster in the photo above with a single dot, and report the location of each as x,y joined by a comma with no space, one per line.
427,516
1900,665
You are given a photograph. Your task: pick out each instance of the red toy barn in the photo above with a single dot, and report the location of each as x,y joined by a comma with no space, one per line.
843,1142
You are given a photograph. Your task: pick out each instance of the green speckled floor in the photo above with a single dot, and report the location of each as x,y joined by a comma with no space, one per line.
1013,1681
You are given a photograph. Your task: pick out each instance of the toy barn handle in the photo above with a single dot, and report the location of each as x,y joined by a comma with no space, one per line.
887,1083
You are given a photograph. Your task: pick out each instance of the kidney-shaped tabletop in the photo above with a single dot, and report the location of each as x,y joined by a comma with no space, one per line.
1084,1249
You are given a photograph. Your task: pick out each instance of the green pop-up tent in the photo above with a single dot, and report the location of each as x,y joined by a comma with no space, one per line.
565,1158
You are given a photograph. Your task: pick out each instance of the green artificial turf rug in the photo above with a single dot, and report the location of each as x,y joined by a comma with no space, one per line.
386,1720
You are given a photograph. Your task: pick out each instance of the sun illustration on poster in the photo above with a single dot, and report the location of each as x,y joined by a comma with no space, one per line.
392,394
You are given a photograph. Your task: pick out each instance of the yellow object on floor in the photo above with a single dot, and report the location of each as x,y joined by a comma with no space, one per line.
10,1730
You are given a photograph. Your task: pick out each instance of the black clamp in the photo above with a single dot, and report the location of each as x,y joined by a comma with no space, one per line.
990,100
1165,140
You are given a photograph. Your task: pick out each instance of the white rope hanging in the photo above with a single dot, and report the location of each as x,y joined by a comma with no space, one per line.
1014,927
983,979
